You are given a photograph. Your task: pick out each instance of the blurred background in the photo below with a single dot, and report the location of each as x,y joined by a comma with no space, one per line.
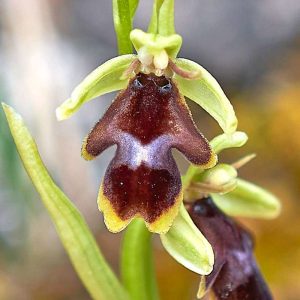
48,46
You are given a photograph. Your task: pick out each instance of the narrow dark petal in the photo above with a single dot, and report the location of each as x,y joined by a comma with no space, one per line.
145,121
235,275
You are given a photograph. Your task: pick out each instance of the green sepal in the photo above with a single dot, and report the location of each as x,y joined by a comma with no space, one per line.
248,200
137,265
206,92
71,227
225,141
187,245
106,78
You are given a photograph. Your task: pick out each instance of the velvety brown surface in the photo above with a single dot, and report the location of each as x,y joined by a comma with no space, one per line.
145,190
145,121
235,275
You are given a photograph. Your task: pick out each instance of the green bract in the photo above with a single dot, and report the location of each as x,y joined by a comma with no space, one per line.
74,233
206,92
248,200
187,245
106,78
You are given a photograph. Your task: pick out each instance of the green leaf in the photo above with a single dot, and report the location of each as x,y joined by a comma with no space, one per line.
106,78
186,244
122,16
248,200
225,141
73,231
206,92
137,264
153,25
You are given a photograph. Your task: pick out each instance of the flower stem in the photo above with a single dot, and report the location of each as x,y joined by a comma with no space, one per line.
137,267
123,16
188,176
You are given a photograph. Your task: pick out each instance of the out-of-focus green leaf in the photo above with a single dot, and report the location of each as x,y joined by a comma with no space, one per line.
9,161
206,92
74,233
137,264
123,24
187,244
248,200
106,78
225,141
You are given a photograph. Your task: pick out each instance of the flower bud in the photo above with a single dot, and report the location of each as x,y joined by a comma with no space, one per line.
222,175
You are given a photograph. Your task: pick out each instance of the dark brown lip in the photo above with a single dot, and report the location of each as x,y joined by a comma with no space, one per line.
146,120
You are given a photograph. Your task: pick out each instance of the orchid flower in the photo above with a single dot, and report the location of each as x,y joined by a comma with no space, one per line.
235,274
147,119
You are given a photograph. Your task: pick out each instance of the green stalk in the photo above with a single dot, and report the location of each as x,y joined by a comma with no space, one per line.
188,176
123,13
137,266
